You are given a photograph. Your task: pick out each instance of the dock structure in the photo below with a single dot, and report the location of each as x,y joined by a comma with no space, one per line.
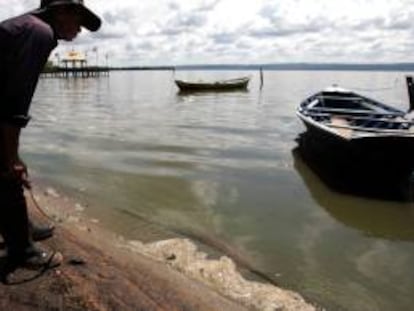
85,72
74,65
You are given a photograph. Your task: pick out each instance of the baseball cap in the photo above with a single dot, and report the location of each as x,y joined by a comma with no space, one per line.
89,19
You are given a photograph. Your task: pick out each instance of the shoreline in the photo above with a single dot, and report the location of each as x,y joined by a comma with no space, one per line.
104,271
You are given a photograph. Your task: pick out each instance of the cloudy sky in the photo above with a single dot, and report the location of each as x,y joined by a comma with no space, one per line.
175,32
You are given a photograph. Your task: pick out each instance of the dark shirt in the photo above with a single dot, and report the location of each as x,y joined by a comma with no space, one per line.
26,42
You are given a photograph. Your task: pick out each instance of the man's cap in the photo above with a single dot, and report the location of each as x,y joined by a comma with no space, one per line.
89,19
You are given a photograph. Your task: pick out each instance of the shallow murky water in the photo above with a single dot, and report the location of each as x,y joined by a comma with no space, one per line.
224,168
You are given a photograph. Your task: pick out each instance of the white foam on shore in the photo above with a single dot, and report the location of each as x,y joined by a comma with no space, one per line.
221,275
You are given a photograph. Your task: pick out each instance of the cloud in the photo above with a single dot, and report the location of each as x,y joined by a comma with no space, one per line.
224,38
285,31
208,6
181,24
211,31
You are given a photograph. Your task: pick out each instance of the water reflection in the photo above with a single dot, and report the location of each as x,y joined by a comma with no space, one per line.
389,219
210,92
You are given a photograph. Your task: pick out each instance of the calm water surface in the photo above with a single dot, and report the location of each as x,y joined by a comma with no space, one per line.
223,168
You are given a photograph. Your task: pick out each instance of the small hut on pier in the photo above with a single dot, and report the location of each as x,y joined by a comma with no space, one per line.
75,64
74,60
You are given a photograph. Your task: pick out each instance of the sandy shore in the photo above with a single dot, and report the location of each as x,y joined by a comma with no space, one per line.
103,271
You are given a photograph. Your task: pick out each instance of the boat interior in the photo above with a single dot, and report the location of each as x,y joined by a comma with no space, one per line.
350,111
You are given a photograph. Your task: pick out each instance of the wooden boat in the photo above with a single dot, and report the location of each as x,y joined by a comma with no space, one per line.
348,116
358,128
223,85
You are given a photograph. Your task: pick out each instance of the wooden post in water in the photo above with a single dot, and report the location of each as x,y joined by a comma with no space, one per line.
261,78
410,88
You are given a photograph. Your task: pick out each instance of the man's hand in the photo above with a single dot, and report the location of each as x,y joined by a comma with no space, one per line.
20,172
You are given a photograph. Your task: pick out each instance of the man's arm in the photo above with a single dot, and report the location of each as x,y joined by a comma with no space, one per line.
9,142
27,43
10,163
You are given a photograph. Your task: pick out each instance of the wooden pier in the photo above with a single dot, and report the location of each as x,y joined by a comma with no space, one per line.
74,64
75,72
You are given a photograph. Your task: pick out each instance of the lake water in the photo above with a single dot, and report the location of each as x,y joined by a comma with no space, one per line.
223,168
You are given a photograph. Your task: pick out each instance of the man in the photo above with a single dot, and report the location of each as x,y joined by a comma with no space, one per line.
26,42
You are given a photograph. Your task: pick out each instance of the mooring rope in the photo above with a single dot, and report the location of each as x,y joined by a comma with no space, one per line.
37,206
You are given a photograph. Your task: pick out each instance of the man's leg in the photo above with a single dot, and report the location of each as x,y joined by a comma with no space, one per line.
14,227
14,219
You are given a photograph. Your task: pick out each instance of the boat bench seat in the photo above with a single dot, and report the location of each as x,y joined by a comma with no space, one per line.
342,126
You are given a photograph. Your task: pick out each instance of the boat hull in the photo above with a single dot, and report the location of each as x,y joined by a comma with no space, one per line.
396,152
240,84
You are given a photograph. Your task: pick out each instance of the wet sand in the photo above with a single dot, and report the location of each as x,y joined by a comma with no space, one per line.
103,271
